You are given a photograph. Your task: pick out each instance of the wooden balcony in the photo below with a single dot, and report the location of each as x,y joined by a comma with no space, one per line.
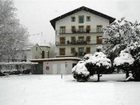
68,31
68,43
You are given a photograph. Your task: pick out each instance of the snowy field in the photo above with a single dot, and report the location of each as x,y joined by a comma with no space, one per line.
52,90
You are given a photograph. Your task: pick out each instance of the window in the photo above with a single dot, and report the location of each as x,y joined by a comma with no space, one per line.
73,19
62,51
81,19
99,39
73,29
81,51
99,28
81,38
88,18
62,29
72,50
88,29
81,28
73,39
62,40
88,39
88,50
43,54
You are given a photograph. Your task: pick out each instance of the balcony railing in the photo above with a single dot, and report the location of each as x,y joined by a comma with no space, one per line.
78,54
75,43
70,31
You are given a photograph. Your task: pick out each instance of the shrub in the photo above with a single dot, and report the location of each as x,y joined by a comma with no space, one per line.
80,72
28,71
96,63
124,61
2,74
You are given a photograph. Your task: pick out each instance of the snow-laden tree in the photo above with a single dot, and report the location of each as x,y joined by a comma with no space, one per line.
134,50
92,64
120,34
12,34
80,72
124,61
100,63
124,58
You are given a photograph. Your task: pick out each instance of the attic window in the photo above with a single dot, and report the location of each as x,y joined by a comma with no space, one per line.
88,18
81,19
73,19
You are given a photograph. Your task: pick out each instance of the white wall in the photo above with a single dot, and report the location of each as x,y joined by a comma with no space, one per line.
95,20
37,51
58,67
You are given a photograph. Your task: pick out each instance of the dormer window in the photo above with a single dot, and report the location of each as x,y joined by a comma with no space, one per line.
81,19
73,19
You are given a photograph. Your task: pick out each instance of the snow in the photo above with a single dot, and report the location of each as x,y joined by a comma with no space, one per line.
18,63
80,68
52,90
124,57
99,58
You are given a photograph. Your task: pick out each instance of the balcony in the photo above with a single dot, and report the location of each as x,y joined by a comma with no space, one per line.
74,43
79,54
78,42
74,31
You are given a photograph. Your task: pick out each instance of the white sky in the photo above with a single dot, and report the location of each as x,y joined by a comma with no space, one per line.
36,14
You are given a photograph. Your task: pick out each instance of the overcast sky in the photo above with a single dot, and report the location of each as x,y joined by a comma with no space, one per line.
36,14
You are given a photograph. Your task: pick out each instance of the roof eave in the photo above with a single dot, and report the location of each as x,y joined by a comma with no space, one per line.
53,21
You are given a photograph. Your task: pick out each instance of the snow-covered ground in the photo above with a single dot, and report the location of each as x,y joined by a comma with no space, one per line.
52,90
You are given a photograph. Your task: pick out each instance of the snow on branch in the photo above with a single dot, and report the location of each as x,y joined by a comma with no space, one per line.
123,58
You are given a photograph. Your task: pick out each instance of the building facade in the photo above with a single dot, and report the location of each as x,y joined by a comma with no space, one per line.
56,65
79,32
33,52
39,51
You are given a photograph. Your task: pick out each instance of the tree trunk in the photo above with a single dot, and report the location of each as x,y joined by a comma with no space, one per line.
127,73
98,75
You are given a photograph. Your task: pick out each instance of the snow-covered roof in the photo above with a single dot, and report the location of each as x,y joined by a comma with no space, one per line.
17,63
56,59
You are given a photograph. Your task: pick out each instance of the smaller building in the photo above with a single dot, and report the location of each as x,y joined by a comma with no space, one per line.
56,65
31,52
39,51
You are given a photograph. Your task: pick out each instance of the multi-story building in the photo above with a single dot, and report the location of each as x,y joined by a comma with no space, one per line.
78,32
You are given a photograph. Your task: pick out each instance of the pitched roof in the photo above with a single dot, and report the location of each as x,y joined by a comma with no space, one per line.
53,21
